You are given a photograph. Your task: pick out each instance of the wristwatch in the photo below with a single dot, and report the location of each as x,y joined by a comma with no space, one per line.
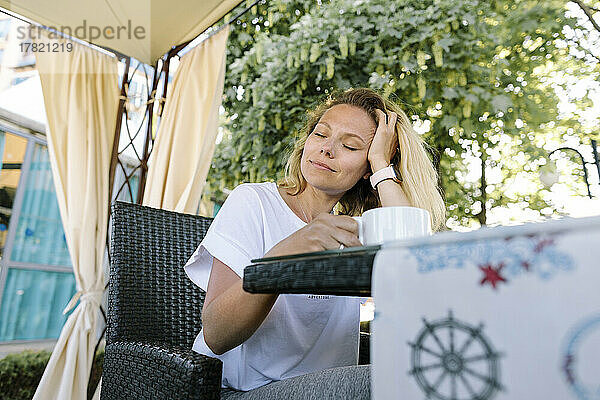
383,174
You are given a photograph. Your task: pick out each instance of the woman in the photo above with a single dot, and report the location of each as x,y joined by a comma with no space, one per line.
298,346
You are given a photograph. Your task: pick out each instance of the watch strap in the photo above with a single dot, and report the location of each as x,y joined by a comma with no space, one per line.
384,174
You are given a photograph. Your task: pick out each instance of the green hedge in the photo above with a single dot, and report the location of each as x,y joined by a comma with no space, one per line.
20,373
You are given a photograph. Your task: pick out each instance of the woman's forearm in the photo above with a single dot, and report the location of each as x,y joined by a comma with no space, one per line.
391,194
233,317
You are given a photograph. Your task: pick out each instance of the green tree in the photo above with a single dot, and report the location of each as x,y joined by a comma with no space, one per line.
591,10
473,74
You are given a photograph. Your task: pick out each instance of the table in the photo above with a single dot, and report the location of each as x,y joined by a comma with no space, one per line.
498,313
527,292
332,272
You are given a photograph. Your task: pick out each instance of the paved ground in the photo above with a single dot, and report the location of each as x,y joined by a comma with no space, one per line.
6,349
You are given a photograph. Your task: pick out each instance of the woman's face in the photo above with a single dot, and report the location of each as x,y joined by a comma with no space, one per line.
335,153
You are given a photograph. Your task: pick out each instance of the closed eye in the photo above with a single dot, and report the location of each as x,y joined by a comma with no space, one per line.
323,136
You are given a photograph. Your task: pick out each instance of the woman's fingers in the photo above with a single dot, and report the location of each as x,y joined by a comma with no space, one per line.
344,237
395,142
334,230
332,239
386,118
391,137
330,243
382,118
393,120
344,222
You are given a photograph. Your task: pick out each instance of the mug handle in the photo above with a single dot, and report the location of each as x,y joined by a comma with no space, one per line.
360,229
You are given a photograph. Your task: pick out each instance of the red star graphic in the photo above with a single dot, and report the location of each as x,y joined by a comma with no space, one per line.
492,275
541,244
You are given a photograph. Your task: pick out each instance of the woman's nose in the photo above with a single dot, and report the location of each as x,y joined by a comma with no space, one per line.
327,148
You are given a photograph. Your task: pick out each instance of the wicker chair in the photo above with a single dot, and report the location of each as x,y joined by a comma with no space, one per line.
154,309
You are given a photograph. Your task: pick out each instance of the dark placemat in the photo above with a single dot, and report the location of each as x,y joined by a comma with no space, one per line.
341,272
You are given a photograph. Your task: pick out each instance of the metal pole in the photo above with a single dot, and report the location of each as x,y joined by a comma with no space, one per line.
145,155
117,137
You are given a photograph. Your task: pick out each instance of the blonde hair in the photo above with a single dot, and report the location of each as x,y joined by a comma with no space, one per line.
419,176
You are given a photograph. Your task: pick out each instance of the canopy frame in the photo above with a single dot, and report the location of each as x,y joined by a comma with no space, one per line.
163,63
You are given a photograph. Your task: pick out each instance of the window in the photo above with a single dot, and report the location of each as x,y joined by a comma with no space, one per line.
36,277
39,237
32,304
18,80
12,148
4,27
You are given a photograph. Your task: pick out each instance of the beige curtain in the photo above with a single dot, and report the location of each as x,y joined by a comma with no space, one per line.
81,97
187,132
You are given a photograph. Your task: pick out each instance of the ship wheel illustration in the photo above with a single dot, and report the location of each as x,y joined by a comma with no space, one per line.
452,360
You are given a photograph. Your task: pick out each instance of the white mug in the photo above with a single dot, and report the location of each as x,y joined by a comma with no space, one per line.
383,224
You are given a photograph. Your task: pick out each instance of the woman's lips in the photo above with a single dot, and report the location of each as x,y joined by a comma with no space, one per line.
319,165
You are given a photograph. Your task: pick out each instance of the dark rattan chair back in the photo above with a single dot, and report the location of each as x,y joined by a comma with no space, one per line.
150,297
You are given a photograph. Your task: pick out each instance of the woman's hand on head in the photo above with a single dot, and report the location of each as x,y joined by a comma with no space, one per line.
324,232
385,142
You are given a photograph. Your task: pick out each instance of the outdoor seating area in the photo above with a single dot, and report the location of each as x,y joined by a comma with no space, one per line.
152,309
299,199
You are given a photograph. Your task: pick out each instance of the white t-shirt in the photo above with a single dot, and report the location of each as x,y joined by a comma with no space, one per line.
301,333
